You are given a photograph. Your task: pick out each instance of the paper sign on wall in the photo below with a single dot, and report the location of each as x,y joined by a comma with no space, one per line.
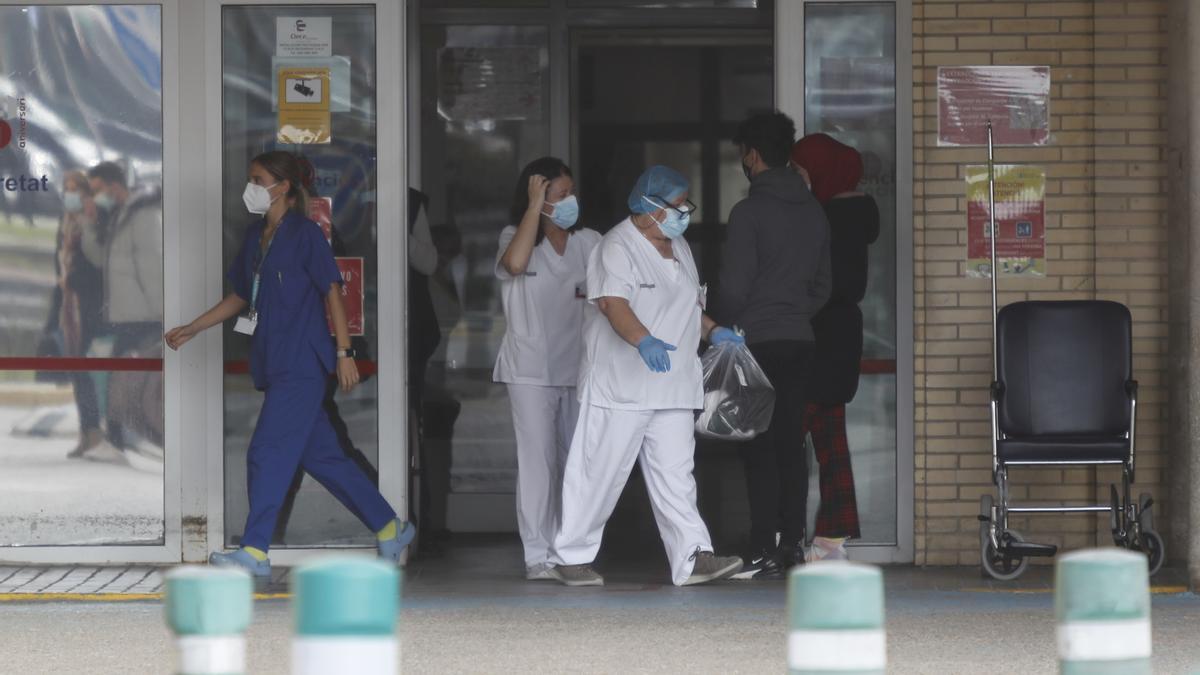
1015,98
490,83
303,36
1020,217
353,295
304,105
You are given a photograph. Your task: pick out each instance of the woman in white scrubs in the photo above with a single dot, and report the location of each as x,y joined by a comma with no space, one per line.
541,265
640,386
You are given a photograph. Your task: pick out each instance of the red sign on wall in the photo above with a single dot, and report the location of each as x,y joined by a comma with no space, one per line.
1016,99
353,295
320,210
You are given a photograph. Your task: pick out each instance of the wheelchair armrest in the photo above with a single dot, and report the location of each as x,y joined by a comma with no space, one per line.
1131,388
997,390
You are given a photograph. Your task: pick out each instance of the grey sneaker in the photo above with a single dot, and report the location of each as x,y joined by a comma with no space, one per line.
709,567
540,572
577,575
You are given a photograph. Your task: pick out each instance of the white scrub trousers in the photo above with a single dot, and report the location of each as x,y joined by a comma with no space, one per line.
544,421
606,444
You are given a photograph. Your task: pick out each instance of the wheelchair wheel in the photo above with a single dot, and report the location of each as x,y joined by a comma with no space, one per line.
1116,519
1000,566
985,526
1145,513
1154,548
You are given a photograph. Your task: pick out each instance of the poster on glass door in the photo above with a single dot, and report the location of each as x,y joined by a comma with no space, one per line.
304,115
1020,218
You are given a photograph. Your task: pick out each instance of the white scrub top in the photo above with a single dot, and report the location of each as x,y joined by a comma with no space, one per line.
544,310
666,297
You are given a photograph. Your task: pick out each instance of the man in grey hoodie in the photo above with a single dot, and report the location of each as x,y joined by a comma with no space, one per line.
775,275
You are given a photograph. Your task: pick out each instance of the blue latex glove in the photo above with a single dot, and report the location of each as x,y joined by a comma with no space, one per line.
654,353
720,335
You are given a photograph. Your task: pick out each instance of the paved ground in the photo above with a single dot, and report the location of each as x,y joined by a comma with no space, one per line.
466,612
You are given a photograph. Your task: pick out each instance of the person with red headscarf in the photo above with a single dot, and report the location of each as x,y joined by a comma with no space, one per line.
835,170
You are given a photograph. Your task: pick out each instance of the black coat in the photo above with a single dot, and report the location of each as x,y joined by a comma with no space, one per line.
838,327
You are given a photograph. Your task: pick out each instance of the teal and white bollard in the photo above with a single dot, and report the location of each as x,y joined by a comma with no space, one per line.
836,614
1102,604
346,610
208,609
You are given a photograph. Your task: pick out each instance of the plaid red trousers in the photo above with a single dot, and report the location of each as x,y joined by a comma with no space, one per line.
838,516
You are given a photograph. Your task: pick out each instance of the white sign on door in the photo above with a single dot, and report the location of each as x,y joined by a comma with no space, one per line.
303,36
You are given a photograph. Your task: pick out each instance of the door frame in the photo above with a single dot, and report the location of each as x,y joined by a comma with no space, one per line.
789,97
392,252
173,368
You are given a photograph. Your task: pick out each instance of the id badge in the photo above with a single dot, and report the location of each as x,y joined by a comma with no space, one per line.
245,325
581,291
703,296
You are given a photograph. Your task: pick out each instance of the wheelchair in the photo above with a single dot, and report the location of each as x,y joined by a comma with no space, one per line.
1063,395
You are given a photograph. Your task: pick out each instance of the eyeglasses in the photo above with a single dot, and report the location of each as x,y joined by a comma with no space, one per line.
684,209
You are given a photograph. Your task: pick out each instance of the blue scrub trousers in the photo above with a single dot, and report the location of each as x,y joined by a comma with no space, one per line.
294,430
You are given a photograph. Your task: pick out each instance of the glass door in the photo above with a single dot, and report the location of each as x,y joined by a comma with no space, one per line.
854,87
83,462
304,78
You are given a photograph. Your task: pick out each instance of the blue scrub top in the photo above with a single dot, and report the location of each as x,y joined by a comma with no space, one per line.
292,338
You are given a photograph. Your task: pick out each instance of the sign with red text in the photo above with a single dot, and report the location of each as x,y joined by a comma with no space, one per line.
320,210
1016,99
353,295
1020,218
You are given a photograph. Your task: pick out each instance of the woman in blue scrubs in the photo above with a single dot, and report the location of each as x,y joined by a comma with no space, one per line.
284,279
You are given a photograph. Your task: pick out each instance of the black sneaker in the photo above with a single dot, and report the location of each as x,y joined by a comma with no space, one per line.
793,556
760,566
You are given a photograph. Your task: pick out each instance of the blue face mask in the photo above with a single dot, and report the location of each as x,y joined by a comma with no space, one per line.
566,212
675,224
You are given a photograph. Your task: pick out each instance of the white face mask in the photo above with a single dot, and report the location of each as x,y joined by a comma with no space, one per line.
257,198
72,202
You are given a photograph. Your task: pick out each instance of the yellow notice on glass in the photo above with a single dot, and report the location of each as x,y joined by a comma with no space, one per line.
304,106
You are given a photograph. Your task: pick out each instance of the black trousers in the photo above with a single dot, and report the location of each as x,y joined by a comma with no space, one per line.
776,462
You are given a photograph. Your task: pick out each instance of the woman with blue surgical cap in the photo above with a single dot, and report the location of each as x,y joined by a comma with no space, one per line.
640,386
540,266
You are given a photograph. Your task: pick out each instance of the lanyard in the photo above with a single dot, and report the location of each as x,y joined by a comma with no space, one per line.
258,275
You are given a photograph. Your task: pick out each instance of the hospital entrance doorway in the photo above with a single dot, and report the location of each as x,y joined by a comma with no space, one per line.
612,92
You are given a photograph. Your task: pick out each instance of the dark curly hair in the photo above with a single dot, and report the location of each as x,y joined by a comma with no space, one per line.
771,134
547,167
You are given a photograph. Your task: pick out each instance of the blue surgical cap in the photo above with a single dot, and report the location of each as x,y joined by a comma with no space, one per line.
657,181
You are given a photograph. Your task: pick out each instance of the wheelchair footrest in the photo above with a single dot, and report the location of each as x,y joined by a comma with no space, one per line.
1027,549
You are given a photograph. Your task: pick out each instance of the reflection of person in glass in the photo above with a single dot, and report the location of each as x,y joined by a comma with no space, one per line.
284,279
133,299
541,264
835,170
80,279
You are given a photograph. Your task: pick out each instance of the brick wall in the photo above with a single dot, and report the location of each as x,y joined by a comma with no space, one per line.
1106,239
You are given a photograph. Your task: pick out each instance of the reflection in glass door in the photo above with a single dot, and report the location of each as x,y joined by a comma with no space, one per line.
484,114
850,94
81,276
343,179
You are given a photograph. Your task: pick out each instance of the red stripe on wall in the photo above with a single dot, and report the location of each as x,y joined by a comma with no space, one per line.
879,366
58,363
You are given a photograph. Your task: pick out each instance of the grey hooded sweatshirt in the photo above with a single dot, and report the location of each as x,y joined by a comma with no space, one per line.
775,271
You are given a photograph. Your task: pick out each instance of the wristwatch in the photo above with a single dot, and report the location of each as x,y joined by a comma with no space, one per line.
347,353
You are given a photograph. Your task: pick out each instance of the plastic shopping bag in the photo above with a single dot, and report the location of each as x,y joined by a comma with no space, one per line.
738,397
